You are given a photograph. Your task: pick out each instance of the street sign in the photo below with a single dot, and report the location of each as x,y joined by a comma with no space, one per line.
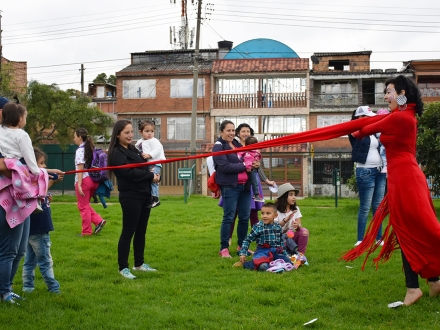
185,173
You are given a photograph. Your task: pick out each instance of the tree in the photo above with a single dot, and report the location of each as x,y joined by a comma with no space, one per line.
7,86
53,115
428,143
111,79
100,79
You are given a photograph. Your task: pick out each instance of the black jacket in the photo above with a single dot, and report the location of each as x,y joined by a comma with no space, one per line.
136,181
227,166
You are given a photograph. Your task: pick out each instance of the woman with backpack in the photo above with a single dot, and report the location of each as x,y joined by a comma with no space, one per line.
84,186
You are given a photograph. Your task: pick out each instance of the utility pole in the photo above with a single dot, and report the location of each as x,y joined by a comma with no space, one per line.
82,79
195,83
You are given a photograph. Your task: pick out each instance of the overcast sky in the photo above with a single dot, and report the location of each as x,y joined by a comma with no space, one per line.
55,37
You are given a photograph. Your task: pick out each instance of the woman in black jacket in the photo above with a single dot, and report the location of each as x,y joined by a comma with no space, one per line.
134,186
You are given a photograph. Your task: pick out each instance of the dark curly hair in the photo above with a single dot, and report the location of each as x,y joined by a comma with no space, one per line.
412,92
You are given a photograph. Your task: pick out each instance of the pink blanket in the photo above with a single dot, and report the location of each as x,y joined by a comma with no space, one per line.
18,195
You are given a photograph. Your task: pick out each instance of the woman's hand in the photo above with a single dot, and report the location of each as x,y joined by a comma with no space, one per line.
3,170
146,156
270,183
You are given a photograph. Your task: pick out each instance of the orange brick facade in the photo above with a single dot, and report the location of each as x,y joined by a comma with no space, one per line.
18,71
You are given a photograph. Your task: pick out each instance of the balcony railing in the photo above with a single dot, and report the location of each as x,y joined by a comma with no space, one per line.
260,100
348,99
430,92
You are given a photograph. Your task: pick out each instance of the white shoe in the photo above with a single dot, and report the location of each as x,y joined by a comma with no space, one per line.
357,243
126,273
381,243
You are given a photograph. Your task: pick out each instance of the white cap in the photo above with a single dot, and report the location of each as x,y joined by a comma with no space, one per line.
364,110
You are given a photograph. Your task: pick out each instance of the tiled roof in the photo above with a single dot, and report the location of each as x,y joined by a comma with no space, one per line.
261,65
171,67
365,52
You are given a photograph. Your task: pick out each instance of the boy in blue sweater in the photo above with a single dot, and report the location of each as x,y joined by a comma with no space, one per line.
38,249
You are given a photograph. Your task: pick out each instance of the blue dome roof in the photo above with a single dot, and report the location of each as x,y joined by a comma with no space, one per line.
261,48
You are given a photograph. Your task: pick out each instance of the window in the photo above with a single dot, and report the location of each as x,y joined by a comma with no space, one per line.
183,88
271,85
336,87
100,92
252,121
323,170
283,124
179,128
139,89
324,121
135,122
338,64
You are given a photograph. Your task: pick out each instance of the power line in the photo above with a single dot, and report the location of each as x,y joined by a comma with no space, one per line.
82,28
324,27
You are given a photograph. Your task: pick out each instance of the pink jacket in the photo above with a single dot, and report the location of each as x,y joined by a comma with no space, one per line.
249,157
18,194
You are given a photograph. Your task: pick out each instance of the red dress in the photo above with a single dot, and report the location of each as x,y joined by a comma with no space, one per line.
412,214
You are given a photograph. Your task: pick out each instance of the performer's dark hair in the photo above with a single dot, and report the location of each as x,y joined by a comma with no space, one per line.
412,92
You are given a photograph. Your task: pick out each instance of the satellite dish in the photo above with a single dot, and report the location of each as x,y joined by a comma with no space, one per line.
314,59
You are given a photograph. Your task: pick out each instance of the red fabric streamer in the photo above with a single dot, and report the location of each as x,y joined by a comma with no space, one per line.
317,134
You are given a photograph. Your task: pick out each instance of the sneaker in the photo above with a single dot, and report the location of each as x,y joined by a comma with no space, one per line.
126,273
224,253
357,243
259,199
381,243
156,202
145,268
16,296
9,299
99,227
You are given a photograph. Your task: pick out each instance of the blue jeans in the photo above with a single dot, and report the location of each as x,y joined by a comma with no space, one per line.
154,185
235,199
38,252
371,186
13,242
255,181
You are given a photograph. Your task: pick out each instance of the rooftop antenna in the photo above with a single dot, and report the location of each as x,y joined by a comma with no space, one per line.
185,40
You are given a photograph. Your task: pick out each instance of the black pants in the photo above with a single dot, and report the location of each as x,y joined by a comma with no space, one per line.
135,215
411,277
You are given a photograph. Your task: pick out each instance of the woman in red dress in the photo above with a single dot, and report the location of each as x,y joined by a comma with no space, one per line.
415,227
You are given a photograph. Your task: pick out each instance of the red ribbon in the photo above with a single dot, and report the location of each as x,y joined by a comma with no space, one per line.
317,134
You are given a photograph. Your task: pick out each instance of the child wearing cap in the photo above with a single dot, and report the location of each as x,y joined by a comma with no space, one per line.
289,217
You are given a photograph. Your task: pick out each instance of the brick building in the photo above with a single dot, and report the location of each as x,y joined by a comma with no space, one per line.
339,83
18,72
427,76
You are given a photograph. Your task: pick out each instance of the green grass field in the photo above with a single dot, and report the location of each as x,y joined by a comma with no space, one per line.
195,289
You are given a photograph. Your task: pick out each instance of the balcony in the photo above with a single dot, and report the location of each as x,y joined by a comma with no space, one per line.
260,100
348,99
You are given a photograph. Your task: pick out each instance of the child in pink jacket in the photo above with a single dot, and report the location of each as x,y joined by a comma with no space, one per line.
248,158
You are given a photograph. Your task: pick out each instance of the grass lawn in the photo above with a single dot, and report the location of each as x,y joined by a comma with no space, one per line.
195,289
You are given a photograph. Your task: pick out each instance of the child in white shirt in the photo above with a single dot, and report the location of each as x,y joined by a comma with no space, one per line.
15,143
151,149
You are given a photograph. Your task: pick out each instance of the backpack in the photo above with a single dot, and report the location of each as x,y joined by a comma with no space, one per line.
99,160
212,185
